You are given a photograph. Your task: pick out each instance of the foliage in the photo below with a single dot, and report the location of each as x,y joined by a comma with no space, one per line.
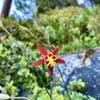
56,94
96,2
13,63
44,5
78,85
71,26
80,96
76,90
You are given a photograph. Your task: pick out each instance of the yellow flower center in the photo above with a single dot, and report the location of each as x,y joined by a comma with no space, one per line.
50,59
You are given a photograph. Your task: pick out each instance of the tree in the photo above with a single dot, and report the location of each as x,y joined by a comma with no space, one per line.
6,8
44,5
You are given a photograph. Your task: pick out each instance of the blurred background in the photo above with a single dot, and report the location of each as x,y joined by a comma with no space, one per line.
73,25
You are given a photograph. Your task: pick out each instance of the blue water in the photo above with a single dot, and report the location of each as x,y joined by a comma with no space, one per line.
75,69
85,3
26,12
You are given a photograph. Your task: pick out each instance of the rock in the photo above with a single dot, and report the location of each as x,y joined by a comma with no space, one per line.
74,69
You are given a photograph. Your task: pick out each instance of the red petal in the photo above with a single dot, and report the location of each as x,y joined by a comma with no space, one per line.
59,60
51,72
39,62
55,50
41,49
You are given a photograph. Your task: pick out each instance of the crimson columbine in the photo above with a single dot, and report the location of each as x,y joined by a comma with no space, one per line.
49,59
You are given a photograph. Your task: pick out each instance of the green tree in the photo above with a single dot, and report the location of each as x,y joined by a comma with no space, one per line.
43,5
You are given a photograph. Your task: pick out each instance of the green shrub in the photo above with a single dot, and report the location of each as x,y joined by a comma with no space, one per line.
74,26
70,26
44,5
56,94
96,2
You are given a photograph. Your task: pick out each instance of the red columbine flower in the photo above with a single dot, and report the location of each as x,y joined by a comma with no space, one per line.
49,58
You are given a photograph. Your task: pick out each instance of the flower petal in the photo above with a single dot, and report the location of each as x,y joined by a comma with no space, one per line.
55,50
39,62
41,50
51,72
59,60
